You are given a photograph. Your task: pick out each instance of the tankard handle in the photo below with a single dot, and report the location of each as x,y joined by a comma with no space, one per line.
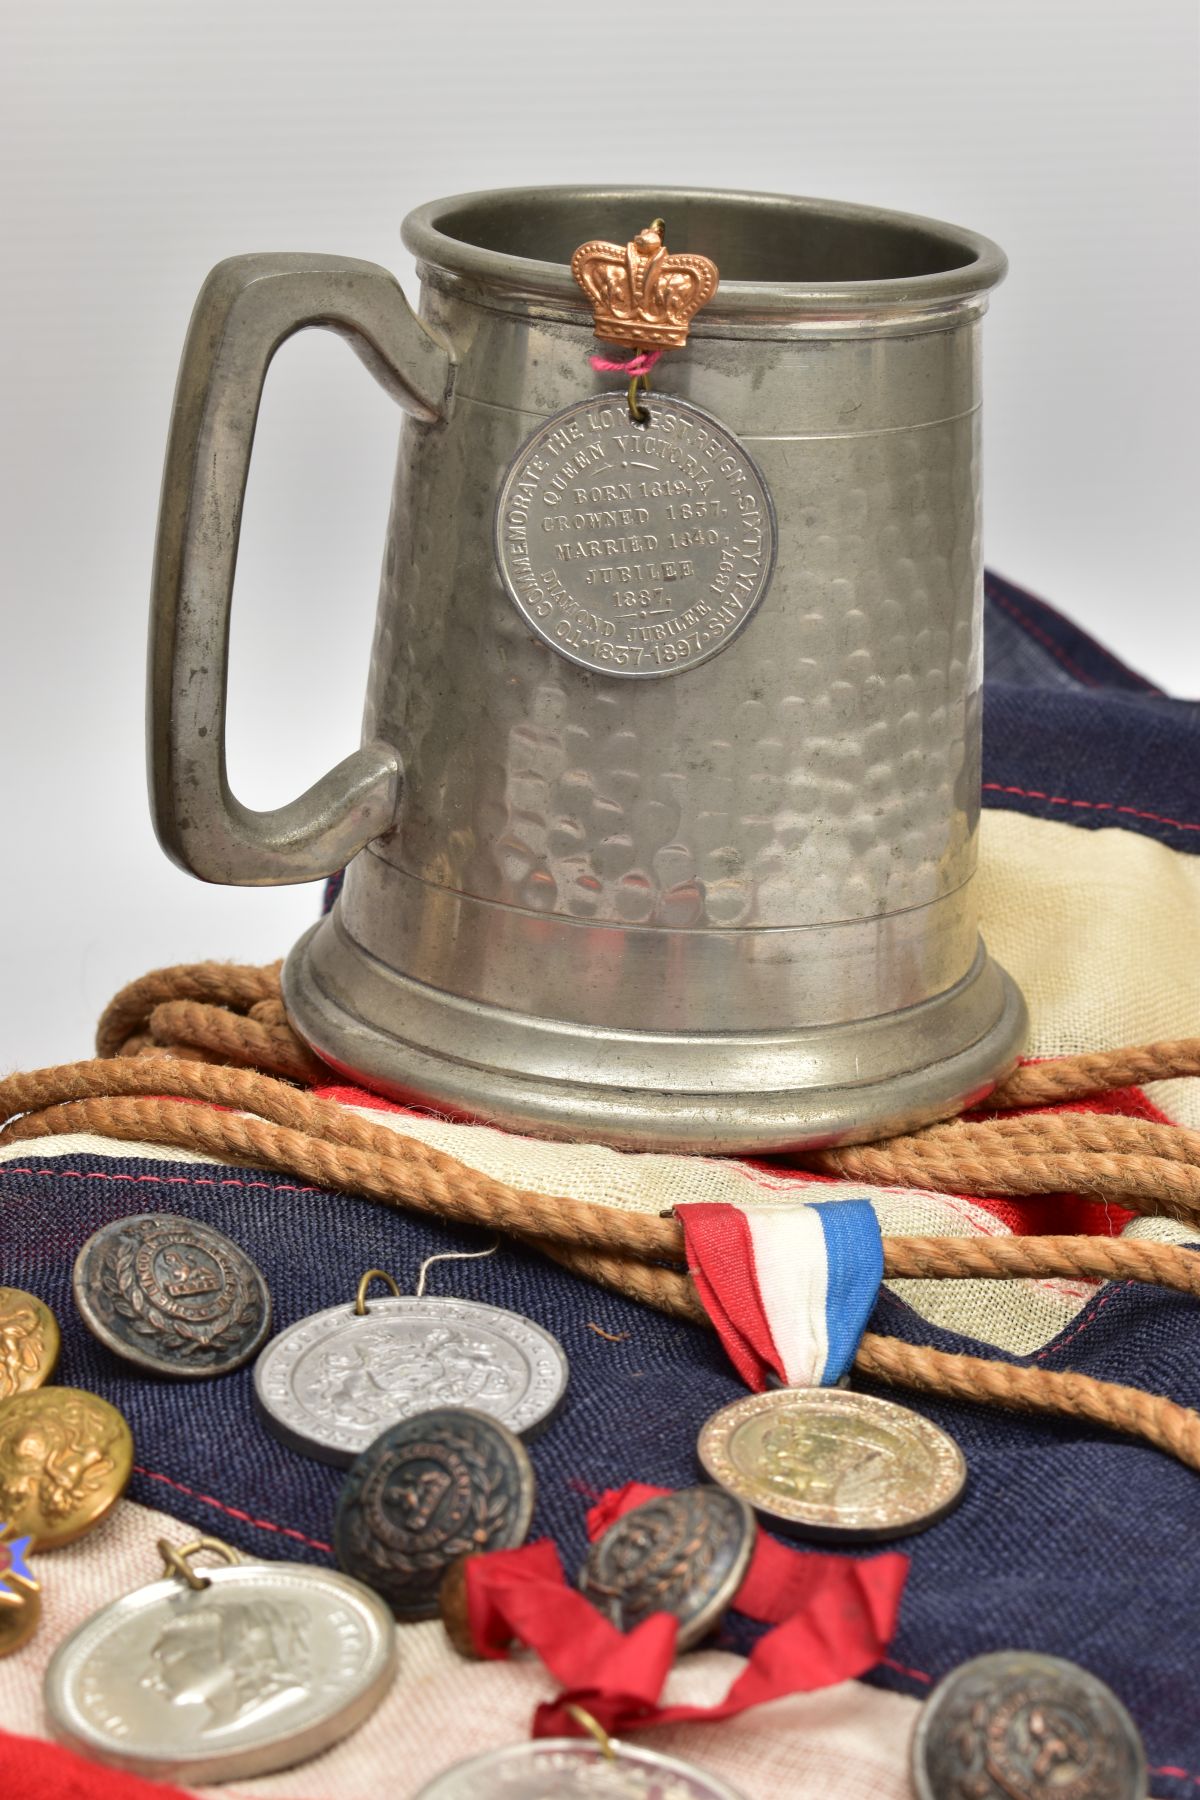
247,308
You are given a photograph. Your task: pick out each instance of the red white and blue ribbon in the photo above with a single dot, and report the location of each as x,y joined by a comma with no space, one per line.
789,1288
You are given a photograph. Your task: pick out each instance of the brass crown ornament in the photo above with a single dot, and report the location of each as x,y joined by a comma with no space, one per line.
641,294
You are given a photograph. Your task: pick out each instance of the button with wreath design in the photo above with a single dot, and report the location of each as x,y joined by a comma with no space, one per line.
172,1295
447,1483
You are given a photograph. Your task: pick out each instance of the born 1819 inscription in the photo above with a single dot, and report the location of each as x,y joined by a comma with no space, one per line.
635,549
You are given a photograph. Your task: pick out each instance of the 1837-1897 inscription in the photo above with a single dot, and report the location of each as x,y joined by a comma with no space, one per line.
635,549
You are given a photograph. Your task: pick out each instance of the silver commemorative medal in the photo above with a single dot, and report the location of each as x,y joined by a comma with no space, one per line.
328,1385
561,1768
1018,1726
830,1463
635,547
171,1295
636,535
222,1673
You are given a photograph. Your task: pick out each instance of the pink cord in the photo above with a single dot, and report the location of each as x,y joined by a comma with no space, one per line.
641,364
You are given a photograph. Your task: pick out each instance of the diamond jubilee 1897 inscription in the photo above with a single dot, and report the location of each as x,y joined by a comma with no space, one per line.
635,549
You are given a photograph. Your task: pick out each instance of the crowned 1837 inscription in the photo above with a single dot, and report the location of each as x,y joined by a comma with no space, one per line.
635,549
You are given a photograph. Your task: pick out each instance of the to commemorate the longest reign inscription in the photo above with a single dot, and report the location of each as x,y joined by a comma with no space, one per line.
635,549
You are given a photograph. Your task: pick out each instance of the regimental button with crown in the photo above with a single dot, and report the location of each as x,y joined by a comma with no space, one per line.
641,294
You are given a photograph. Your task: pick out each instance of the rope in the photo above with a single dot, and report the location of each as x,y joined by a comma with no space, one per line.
263,1038
236,986
297,1134
174,1034
1144,1183
124,1098
1096,1072
1023,1388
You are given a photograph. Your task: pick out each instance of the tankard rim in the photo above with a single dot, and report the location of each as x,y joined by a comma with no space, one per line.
443,234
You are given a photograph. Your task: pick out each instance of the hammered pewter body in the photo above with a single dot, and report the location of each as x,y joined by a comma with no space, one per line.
730,907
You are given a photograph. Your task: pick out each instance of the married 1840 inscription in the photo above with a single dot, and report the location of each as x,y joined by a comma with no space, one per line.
635,550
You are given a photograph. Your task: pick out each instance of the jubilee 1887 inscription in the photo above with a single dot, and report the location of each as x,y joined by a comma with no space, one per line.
635,549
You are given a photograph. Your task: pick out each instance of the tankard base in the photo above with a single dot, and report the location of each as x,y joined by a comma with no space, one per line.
699,1092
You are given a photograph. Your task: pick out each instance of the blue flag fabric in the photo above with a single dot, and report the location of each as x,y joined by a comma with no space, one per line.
1070,1540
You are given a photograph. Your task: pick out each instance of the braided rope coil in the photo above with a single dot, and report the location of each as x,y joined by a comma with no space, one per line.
205,1032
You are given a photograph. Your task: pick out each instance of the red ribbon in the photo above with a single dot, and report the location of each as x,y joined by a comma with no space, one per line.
28,1767
833,1618
721,1264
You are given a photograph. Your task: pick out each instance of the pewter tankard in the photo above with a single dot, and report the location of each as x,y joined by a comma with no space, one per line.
718,907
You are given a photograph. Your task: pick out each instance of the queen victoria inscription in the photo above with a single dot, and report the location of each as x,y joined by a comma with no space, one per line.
635,549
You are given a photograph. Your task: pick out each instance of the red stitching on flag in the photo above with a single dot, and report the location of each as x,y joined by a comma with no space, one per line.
234,1512
920,1675
1179,1774
1114,1287
1042,637
1134,812
286,1187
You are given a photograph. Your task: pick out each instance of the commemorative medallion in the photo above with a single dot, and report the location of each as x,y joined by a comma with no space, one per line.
429,1490
683,1553
635,547
65,1460
328,1385
171,1295
29,1342
830,1463
222,1673
1018,1726
562,1768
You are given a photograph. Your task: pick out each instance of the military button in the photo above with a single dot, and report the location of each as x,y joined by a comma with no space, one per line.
29,1342
684,1553
171,1295
430,1489
19,1618
65,1460
1017,1726
454,1608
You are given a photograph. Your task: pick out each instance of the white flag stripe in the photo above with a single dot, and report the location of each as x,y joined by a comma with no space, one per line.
792,1267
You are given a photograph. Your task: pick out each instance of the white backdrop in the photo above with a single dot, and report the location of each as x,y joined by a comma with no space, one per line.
142,140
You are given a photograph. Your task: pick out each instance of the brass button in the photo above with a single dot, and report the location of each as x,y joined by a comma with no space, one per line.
29,1342
65,1459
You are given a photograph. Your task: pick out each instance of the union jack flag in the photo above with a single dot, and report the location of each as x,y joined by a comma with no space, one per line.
1070,1540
